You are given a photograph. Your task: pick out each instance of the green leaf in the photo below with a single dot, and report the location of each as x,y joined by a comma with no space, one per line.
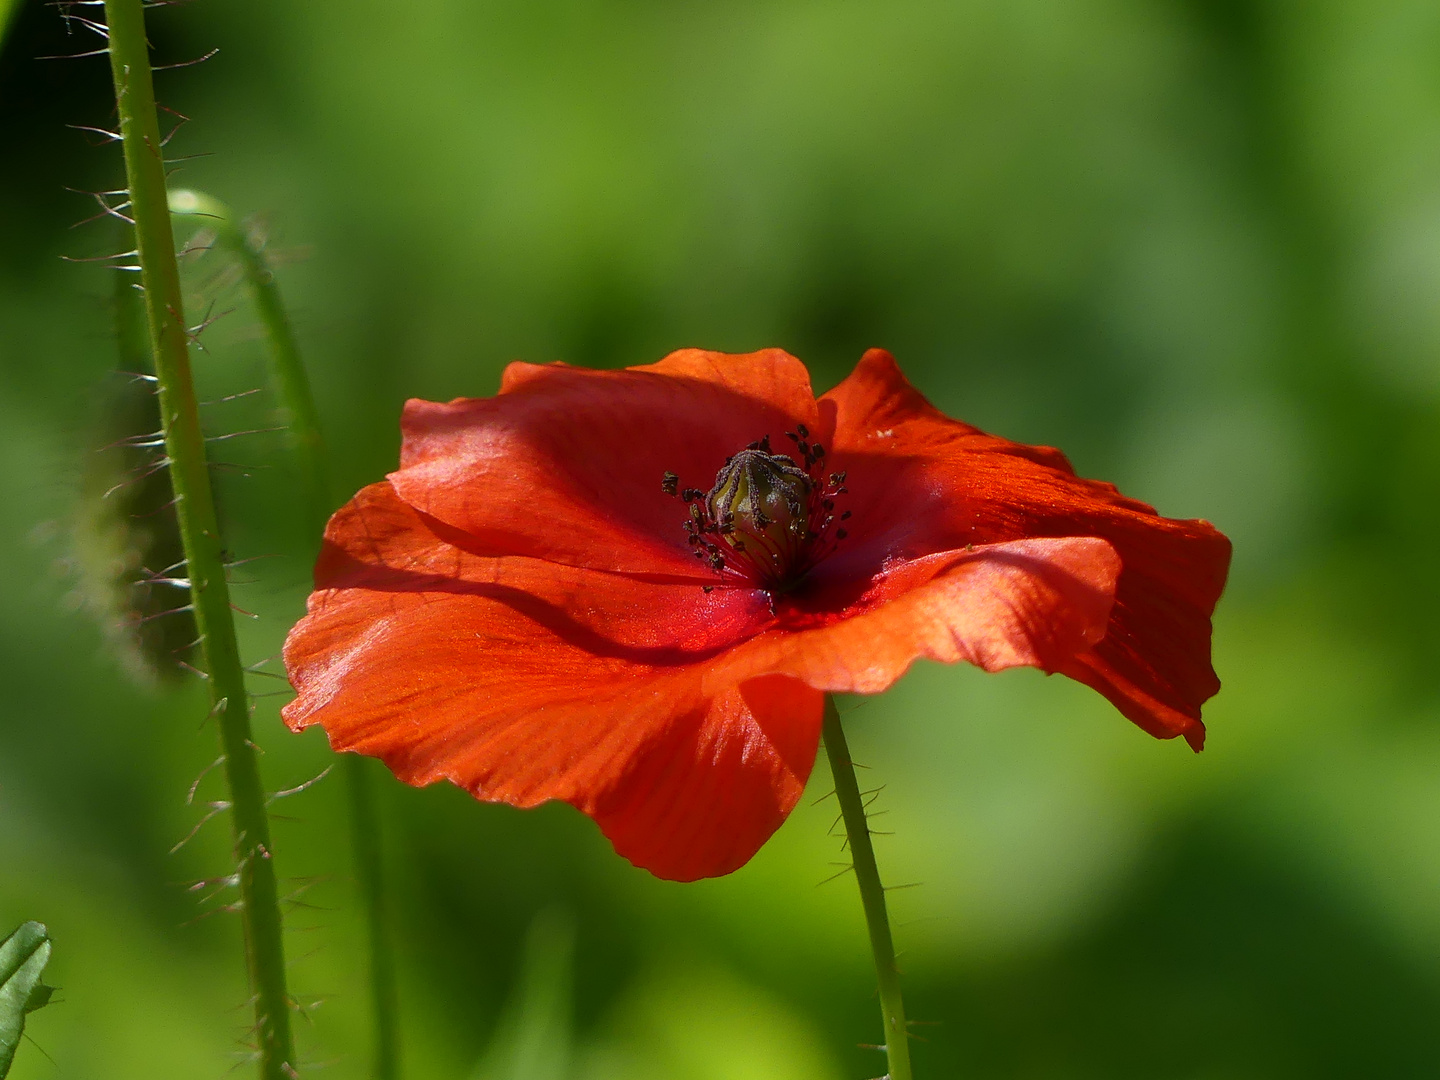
23,956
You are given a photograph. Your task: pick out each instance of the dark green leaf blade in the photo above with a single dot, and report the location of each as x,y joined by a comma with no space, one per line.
23,956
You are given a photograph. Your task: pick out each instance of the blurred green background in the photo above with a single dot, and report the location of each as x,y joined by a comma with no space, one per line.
1195,244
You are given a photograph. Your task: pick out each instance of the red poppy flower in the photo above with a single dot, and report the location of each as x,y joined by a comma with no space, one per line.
630,590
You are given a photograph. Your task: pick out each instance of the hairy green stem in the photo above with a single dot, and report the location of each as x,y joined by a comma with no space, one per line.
200,534
293,388
872,894
291,383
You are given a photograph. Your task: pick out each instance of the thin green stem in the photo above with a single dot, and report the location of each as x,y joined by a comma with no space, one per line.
291,382
293,387
872,894
195,512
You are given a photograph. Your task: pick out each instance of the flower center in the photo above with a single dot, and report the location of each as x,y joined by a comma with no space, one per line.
767,518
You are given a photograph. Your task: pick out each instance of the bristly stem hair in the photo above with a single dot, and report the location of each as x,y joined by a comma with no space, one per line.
872,894
292,384
200,534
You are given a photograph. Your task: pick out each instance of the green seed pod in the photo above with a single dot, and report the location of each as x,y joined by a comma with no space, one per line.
761,503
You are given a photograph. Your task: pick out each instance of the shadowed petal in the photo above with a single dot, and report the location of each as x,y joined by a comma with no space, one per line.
523,681
380,544
923,483
566,463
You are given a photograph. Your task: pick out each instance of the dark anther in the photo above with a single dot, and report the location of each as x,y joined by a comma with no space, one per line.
670,483
818,450
691,494
803,430
707,589
845,516
840,534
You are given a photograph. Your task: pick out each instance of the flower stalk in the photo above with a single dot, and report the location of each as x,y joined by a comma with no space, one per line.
288,370
292,385
872,893
200,534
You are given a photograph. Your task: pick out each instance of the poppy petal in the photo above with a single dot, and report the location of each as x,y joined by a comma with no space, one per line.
566,463
524,681
378,543
702,801
1027,603
922,483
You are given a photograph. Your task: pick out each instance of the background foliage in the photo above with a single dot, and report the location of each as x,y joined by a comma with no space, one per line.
1196,244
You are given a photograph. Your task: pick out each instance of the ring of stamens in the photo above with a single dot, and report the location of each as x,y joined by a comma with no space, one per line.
767,518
